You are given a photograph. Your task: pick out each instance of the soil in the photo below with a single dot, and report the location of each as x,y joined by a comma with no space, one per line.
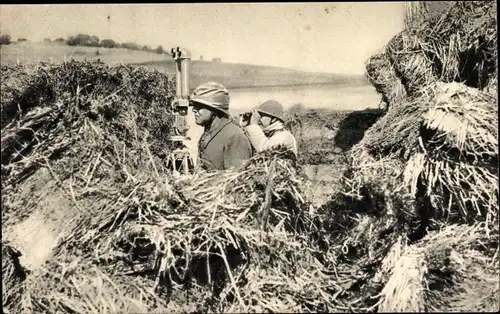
324,141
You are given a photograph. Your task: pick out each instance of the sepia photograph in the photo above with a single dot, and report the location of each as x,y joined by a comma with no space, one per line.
260,157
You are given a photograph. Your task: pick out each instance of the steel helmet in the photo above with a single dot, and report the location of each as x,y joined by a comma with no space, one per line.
213,95
272,108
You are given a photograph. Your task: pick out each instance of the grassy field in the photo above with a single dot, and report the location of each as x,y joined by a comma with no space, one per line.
57,52
232,75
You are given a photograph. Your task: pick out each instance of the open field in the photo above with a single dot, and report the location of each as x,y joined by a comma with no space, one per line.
26,52
231,75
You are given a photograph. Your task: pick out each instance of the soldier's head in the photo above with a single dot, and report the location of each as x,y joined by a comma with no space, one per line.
270,111
209,100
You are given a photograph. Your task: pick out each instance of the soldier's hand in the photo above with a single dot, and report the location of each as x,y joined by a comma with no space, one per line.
243,120
254,120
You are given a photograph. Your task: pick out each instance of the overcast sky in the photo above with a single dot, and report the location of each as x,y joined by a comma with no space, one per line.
329,37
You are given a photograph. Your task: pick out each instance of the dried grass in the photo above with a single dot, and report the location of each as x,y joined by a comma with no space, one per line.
382,76
458,154
465,119
368,170
80,287
413,66
368,224
404,291
442,140
440,273
396,133
13,275
461,42
95,123
211,230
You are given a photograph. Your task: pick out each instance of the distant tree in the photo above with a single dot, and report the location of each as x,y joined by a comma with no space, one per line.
79,40
71,41
83,39
131,46
94,41
216,60
201,58
109,43
5,39
47,40
59,40
21,39
145,48
159,50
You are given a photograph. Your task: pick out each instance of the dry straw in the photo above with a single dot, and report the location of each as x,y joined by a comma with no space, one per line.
396,133
79,287
414,67
382,76
441,271
13,274
465,118
94,123
404,291
212,229
461,42
458,156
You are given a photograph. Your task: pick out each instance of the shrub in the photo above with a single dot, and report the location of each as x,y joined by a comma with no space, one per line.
5,39
159,50
109,43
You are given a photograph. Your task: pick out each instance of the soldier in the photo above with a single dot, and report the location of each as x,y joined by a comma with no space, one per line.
266,128
223,144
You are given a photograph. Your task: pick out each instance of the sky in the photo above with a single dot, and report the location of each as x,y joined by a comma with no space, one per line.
336,37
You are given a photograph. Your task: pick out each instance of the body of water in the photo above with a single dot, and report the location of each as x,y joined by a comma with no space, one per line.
318,96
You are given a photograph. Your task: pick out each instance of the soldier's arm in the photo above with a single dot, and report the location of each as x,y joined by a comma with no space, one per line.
261,143
237,150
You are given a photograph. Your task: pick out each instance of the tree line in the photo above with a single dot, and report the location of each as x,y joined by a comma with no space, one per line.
90,41
94,41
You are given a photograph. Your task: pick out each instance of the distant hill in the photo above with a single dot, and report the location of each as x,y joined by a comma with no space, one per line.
232,75
238,75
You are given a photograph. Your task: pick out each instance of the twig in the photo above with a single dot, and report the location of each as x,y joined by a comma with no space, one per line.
268,196
93,169
233,283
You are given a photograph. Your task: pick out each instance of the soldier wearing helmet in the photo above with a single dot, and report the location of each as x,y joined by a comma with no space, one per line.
223,144
266,128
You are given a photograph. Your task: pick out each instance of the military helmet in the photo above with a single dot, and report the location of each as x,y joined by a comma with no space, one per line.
213,95
272,108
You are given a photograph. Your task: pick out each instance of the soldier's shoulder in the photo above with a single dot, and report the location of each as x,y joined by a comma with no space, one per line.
234,129
233,126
